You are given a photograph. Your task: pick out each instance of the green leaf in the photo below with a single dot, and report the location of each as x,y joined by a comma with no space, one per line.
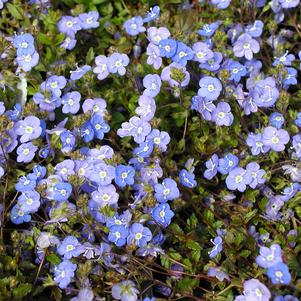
53,258
90,56
187,284
22,290
15,11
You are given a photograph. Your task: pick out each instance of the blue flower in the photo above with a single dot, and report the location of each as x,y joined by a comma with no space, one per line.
99,126
213,64
168,48
238,178
18,216
167,191
79,72
117,63
152,84
237,70
187,178
144,149
162,214
125,291
118,235
210,88
153,14
39,172
276,120
26,183
89,20
285,59
227,163
124,175
183,54
221,4
68,140
218,246
29,201
64,272
159,139
256,29
70,102
134,26
290,77
62,192
279,273
139,235
87,132
212,166
298,120
69,247
269,256
257,174
24,44
208,29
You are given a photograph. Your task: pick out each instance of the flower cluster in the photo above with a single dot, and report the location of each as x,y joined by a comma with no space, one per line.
27,56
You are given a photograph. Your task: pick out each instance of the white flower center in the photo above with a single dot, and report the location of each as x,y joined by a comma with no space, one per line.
210,88
29,129
102,174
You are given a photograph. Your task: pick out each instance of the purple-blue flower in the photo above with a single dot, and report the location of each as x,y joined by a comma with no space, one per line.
276,120
155,35
210,88
153,53
69,247
101,68
62,191
168,48
255,142
124,175
88,20
24,44
221,4
100,127
26,152
211,167
238,178
167,191
222,114
139,235
245,46
105,195
187,178
275,139
70,102
125,291
69,25
257,174
159,138
134,26
152,85
152,14
147,107
64,272
183,54
279,273
29,201
136,127
218,246
269,256
117,63
162,214
18,216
